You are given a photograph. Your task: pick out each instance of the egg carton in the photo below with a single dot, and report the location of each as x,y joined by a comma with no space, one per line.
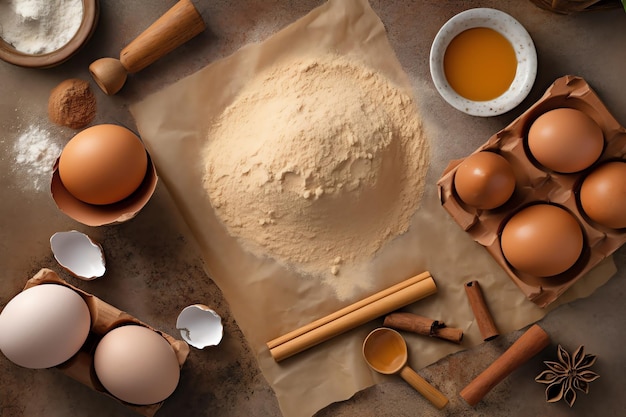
104,317
537,184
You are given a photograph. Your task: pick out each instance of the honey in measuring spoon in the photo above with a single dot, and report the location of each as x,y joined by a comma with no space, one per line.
480,64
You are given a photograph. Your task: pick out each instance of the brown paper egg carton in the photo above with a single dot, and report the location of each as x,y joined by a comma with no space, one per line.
104,317
535,183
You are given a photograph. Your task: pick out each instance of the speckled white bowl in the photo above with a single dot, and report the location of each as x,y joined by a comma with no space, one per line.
524,51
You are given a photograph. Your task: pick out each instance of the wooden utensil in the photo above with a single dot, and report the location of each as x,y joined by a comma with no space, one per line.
385,352
179,24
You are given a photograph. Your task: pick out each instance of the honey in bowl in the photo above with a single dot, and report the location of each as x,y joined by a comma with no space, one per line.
480,64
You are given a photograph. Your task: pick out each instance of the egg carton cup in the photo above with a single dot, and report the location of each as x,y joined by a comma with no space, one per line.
537,184
104,317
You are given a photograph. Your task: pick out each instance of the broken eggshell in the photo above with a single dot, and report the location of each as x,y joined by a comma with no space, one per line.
200,326
78,254
107,214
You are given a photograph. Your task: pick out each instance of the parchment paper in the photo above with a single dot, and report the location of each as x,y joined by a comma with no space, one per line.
268,300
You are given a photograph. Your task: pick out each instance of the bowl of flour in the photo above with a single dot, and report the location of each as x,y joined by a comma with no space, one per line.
43,34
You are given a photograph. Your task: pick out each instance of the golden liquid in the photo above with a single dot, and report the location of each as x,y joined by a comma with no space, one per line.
480,64
385,351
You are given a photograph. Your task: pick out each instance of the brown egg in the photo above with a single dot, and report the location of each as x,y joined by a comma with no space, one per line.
484,180
603,195
103,164
136,365
542,240
565,140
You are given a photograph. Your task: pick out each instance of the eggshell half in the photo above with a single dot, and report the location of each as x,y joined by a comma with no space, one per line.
100,215
200,326
78,254
103,164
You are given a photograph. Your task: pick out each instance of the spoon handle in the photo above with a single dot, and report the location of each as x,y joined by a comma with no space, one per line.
422,386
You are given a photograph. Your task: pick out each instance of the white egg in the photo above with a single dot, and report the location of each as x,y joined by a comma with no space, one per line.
44,326
137,365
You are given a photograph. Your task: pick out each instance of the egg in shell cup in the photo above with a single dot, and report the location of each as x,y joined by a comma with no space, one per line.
538,184
103,214
104,318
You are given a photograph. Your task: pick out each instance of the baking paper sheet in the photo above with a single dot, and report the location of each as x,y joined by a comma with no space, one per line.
268,300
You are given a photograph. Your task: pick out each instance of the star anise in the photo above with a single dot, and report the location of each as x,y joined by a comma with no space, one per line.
571,373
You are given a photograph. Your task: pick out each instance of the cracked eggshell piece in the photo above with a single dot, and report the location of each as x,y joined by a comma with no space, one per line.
78,254
200,326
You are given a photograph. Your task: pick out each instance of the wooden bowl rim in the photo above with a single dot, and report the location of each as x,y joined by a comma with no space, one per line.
11,55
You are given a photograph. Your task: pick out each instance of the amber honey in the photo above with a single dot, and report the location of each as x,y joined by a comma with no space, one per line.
480,64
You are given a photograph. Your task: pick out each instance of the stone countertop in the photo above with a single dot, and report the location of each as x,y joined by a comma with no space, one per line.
153,270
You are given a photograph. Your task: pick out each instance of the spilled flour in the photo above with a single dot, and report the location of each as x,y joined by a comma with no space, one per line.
316,164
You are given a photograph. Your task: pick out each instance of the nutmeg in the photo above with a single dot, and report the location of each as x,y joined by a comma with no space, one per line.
72,103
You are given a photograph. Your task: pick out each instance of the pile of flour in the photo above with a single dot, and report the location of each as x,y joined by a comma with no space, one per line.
316,164
39,26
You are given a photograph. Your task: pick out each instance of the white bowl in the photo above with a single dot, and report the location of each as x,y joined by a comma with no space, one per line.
525,53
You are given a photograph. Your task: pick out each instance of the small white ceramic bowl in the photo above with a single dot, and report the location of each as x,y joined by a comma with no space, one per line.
525,53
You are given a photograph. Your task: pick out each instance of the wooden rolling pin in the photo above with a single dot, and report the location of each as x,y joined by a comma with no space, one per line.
354,315
179,24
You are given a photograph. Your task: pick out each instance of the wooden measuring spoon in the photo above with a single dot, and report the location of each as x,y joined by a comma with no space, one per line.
179,24
385,352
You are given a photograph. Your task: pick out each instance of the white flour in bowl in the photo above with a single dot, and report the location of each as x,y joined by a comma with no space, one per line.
316,164
39,26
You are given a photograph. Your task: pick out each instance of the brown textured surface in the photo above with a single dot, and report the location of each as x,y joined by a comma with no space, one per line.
153,270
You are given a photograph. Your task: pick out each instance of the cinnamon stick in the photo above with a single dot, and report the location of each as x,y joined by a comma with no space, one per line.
376,305
485,322
422,325
533,341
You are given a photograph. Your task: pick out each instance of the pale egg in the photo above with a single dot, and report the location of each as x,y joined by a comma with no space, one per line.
44,326
542,240
136,365
565,140
103,164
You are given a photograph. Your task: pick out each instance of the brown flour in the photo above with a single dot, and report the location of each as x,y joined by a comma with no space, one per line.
72,104
316,164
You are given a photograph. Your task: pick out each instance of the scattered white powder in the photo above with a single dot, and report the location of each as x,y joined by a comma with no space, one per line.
35,154
39,26
317,164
